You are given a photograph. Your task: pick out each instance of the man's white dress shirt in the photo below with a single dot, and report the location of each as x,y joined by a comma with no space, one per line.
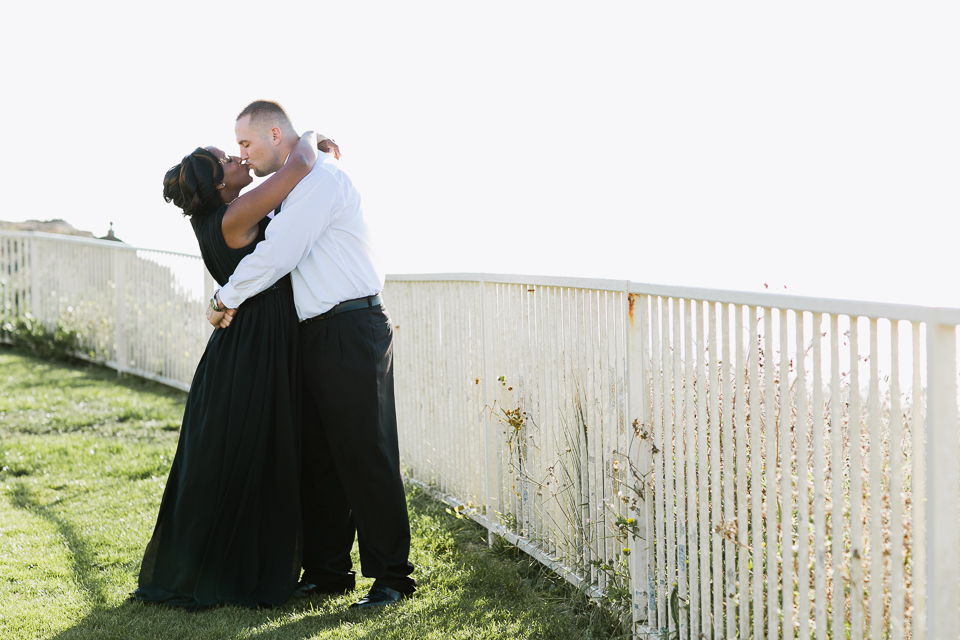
321,239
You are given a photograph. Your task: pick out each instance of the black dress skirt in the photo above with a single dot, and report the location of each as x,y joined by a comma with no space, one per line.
229,528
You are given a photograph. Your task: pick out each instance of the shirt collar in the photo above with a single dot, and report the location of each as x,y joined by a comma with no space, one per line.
321,158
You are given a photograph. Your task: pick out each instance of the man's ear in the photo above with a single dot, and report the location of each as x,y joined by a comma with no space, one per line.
276,136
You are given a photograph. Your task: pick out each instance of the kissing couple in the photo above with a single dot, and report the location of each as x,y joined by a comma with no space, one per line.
288,449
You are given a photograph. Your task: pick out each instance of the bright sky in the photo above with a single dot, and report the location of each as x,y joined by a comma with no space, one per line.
814,146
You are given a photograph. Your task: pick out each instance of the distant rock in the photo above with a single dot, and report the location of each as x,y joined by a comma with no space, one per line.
46,226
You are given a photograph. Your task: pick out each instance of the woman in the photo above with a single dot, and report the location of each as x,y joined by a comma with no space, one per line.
229,529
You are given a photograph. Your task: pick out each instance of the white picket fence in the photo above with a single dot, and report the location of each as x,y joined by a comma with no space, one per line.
733,464
764,445
138,310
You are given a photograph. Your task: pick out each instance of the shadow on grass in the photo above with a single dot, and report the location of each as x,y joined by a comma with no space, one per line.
466,592
458,616
451,616
84,374
83,557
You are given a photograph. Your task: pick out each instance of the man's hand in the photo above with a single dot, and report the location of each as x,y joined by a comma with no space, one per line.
220,319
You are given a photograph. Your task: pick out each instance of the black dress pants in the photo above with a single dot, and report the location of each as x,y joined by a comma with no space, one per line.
351,483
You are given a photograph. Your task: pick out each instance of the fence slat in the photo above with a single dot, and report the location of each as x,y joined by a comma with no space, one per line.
836,478
803,485
876,447
896,486
729,373
756,474
690,461
943,553
713,518
771,527
787,472
855,421
819,493
743,507
659,457
672,472
680,457
918,480
636,401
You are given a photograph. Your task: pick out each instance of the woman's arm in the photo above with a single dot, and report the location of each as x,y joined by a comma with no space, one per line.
242,216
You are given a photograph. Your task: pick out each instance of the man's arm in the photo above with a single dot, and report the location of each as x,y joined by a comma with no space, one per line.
290,236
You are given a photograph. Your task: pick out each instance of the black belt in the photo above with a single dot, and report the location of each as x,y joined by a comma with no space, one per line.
348,305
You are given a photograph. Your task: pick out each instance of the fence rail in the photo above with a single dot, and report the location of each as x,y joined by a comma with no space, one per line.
724,464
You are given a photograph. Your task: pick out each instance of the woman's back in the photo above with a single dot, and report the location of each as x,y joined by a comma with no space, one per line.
221,260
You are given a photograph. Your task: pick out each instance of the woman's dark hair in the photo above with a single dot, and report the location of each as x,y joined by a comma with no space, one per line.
192,184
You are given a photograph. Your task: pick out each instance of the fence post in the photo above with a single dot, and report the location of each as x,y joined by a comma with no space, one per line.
492,497
943,484
34,278
639,455
120,333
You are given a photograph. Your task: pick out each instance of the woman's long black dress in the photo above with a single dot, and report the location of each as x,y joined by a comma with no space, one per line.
229,528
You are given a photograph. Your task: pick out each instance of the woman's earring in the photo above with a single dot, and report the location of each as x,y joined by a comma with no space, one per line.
223,184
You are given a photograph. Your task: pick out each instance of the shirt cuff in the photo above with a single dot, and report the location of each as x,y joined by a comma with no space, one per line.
232,296
229,297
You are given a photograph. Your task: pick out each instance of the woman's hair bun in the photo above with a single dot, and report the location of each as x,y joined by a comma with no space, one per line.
192,184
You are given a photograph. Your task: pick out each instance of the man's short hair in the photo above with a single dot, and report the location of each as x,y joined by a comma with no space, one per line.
266,112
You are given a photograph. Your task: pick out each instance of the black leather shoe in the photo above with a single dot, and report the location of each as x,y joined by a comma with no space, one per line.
305,589
379,597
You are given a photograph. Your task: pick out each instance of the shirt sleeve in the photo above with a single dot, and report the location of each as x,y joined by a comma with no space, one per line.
305,215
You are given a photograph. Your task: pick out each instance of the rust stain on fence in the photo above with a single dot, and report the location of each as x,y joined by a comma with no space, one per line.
631,299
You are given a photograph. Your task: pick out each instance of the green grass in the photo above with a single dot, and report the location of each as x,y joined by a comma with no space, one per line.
84,455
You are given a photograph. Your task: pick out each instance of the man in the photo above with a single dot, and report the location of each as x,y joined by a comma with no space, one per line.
351,482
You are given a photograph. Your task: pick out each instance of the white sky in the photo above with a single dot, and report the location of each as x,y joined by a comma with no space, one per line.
724,145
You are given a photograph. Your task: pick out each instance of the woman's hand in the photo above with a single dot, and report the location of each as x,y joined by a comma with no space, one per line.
220,319
227,318
214,317
321,142
327,145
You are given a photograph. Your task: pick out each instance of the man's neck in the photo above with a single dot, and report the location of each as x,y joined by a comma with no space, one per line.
288,143
286,147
